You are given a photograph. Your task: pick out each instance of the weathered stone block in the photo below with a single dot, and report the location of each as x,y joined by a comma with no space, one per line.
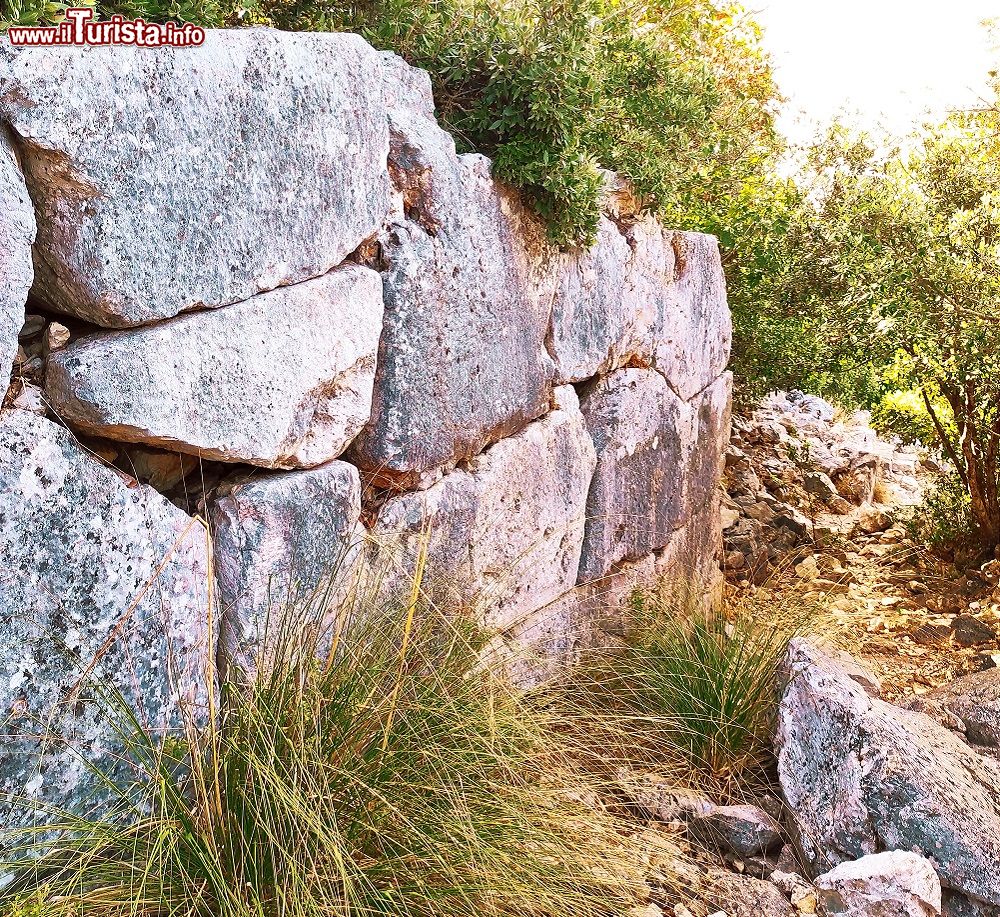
678,277
17,231
166,181
287,548
592,319
894,883
506,532
462,361
103,587
282,380
644,436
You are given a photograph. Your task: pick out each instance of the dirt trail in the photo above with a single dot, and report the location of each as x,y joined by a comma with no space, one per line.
820,501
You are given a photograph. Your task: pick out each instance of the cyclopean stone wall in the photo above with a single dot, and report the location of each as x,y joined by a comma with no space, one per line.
278,328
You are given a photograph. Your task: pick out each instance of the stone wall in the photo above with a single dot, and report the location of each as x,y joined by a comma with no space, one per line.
278,327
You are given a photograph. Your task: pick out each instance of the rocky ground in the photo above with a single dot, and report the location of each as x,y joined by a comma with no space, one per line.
886,800
821,500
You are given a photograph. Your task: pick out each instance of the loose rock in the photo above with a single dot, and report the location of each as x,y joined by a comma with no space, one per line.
860,775
896,883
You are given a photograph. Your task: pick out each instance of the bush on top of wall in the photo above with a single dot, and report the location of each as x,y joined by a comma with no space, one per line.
671,94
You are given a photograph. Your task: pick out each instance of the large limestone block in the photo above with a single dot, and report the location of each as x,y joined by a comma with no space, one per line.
506,532
644,435
713,409
462,361
166,180
592,319
678,278
282,380
17,232
103,584
288,545
860,776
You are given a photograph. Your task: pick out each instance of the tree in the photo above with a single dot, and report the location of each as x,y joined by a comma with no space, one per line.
904,253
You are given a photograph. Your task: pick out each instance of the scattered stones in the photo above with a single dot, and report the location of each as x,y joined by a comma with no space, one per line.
282,380
745,896
793,460
286,206
896,883
819,485
17,232
801,893
32,327
104,583
873,520
56,338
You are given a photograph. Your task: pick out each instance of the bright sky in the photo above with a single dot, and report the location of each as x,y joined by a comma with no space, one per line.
888,61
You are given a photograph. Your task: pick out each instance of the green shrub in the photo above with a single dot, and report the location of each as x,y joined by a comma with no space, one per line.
904,414
207,13
396,778
944,517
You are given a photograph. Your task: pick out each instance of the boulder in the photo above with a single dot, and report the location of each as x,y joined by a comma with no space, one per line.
288,546
896,883
678,277
970,704
282,380
506,531
819,485
968,630
104,588
860,776
252,162
644,436
462,361
17,232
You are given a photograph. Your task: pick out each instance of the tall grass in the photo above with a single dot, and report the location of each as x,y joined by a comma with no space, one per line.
391,775
696,688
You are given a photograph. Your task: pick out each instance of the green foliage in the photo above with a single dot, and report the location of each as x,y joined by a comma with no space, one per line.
905,415
397,778
904,250
208,13
944,519
698,687
672,94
